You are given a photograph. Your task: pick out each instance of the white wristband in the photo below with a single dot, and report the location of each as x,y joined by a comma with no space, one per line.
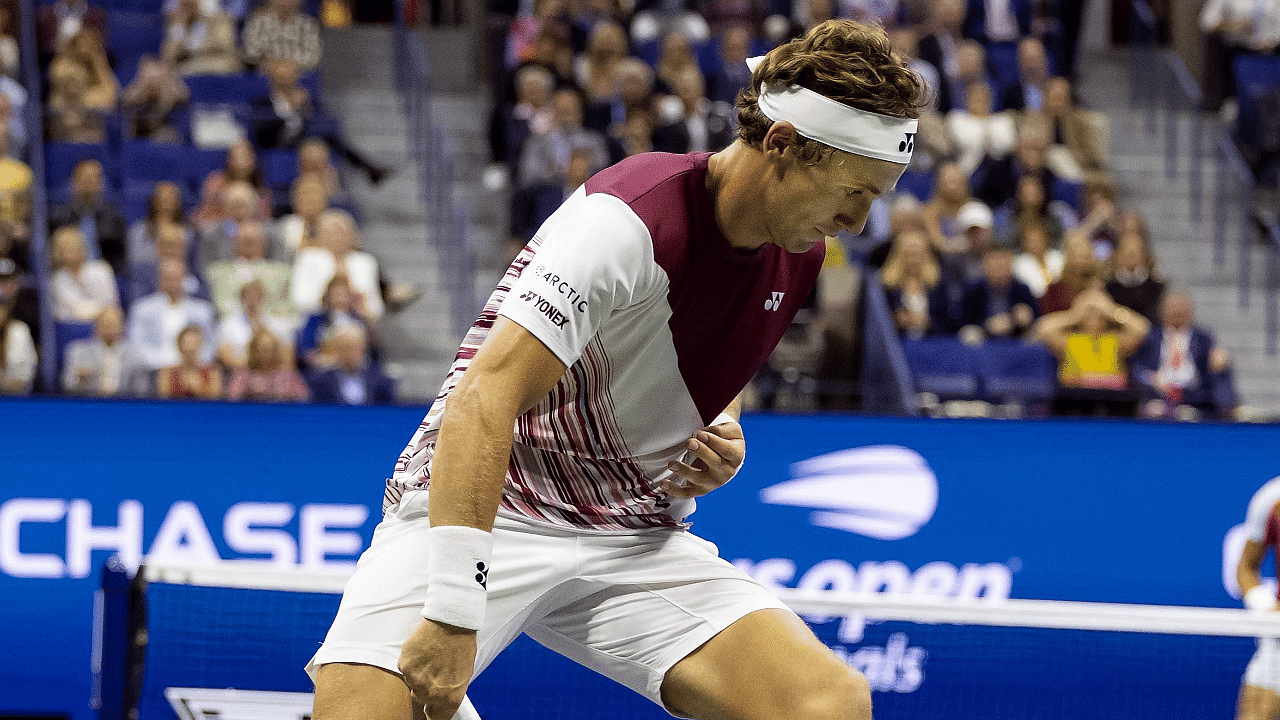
458,560
1260,597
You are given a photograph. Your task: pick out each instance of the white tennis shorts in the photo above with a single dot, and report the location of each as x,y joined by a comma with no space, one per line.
1264,668
627,605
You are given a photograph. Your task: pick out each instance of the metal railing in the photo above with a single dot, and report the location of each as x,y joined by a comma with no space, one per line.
448,226
1164,89
37,256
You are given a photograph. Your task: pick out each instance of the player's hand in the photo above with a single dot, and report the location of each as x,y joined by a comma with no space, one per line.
437,662
718,450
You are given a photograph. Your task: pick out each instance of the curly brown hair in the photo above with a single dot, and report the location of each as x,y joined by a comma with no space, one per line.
847,61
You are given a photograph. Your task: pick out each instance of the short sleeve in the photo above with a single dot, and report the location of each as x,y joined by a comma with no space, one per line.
595,256
1260,508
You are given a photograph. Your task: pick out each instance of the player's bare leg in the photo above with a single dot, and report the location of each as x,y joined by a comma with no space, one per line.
362,692
1257,704
766,666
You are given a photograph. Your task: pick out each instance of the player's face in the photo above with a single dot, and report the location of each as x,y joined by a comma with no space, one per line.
814,201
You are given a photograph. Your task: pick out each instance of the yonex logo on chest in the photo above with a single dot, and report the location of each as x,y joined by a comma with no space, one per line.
774,302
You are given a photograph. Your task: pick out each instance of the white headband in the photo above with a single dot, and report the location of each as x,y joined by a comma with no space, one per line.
820,118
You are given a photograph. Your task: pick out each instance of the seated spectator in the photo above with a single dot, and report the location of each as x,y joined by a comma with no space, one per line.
241,165
675,57
192,376
531,206
297,230
156,320
240,205
68,118
151,99
227,277
998,305
18,358
514,122
1093,341
910,276
999,21
971,72
1181,364
278,29
996,180
236,330
1038,265
106,365
950,193
979,133
963,265
268,374
87,50
338,308
13,127
59,21
605,115
1133,278
22,300
1080,271
80,289
1103,222
354,379
1033,77
288,113
1031,205
98,217
546,155
696,124
336,254
634,136
164,208
596,68
15,195
1233,28
939,47
197,42
1079,144
172,243
731,73
314,162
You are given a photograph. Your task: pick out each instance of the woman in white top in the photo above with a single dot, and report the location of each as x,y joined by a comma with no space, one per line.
17,355
978,132
297,230
336,236
82,288
1038,265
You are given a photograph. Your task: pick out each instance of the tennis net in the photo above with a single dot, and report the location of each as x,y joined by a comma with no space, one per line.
232,640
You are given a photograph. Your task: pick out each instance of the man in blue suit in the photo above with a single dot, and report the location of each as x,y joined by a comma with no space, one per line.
1180,369
353,379
997,305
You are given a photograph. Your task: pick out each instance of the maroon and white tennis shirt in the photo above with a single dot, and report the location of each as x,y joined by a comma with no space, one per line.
661,324
1262,522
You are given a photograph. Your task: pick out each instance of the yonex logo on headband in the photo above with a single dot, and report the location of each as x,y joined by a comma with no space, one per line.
820,118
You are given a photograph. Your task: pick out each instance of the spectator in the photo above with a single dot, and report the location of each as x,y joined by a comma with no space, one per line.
1030,205
1080,271
1103,222
998,21
731,73
288,113
17,354
1033,77
235,330
950,193
978,132
249,264
697,125
634,136
1133,279
546,155
15,194
192,376
998,305
971,71
81,289
13,128
1233,27
338,308
68,117
172,243
8,43
1038,265
97,217
911,285
596,69
314,162
21,303
336,254
240,205
1181,365
267,375
163,208
106,365
241,165
156,320
87,50
512,124
353,379
198,42
1093,341
278,29
151,100
59,21
297,230
939,47
531,206
635,94
675,57
996,180
524,30
1079,140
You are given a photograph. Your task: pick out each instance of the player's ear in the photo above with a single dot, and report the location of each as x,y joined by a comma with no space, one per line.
780,136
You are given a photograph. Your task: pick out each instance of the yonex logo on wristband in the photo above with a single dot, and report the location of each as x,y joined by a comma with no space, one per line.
482,575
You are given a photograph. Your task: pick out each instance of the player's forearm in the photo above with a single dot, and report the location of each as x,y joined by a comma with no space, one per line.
470,463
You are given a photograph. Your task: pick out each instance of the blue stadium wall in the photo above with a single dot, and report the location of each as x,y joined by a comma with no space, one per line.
1101,511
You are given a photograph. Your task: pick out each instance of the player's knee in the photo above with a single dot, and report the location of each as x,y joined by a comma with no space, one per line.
843,695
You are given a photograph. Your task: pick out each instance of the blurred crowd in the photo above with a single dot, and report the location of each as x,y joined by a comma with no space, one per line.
179,263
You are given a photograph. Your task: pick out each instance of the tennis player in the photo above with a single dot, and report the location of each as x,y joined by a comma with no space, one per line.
1260,687
547,490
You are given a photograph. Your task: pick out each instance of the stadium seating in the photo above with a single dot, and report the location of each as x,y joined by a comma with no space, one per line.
945,367
1011,371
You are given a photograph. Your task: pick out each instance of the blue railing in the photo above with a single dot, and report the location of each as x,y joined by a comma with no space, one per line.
448,224
887,385
1163,87
33,116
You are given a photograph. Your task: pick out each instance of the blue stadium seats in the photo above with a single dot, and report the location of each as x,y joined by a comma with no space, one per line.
279,168
146,161
1002,62
919,184
226,89
60,160
134,33
201,162
1067,191
945,367
1256,77
1012,371
65,333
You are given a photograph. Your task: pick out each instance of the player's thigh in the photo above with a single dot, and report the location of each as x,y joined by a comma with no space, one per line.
765,666
361,692
1257,703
